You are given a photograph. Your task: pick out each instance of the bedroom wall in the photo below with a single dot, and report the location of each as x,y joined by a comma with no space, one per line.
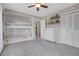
65,32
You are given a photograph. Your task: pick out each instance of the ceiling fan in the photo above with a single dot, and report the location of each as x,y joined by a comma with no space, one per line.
38,5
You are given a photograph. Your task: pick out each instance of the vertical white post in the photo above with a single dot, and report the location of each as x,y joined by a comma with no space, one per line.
33,27
1,37
42,28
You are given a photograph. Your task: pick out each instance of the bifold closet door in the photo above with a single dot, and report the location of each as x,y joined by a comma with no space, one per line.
66,29
63,28
75,33
70,29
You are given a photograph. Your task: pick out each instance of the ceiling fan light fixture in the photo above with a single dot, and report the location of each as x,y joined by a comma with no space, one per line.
38,5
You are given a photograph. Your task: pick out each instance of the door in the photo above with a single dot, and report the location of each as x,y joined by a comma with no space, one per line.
38,29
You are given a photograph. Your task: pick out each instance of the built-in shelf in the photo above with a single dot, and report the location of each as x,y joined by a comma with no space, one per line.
18,27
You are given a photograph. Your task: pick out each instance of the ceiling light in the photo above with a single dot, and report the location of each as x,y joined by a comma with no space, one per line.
37,5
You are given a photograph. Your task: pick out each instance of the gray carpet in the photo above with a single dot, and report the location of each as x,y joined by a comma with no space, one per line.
39,48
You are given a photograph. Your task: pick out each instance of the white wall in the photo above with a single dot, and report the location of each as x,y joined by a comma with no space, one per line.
1,38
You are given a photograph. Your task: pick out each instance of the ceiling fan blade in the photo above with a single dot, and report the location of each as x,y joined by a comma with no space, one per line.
44,6
31,6
37,9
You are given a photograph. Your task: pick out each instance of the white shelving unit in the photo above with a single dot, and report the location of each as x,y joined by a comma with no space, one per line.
17,28
18,33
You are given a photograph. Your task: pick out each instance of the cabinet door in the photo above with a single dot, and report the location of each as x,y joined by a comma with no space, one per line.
49,34
1,41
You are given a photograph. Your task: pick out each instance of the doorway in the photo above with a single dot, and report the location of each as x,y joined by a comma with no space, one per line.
38,30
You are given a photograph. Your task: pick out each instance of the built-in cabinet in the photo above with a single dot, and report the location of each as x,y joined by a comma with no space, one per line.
51,33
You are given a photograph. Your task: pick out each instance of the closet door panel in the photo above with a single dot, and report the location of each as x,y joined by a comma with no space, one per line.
66,26
64,22
76,21
75,32
70,21
70,33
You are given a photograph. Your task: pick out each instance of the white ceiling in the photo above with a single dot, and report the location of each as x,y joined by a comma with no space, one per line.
23,7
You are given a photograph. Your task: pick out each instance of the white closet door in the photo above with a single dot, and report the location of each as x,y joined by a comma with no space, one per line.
70,22
75,33
70,33
67,22
66,26
76,21
63,28
64,22
1,41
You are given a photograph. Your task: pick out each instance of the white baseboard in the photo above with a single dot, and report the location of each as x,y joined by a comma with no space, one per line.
64,43
70,44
